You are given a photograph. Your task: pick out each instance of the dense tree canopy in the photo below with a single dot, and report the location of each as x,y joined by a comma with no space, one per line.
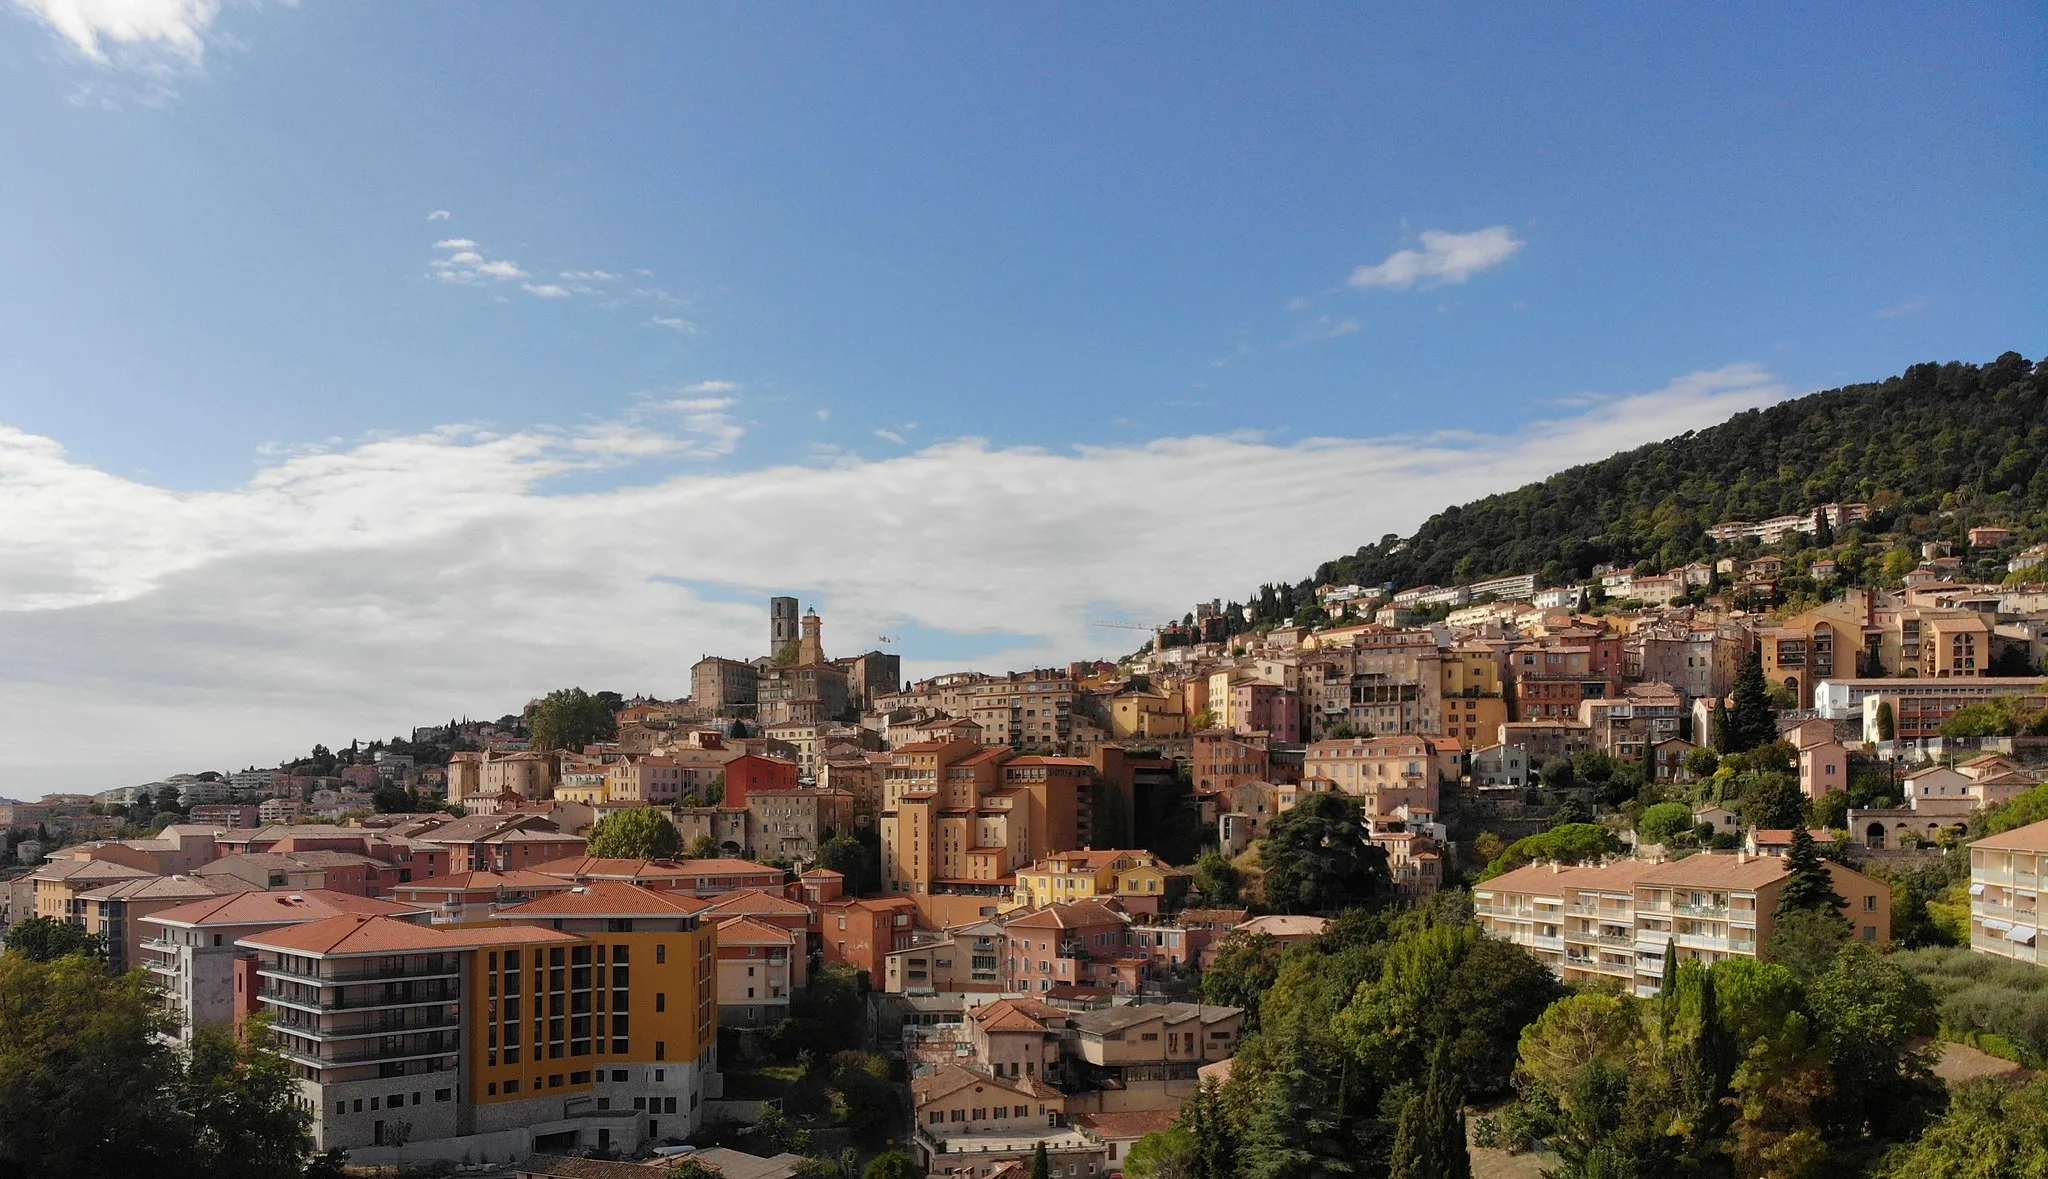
1317,859
642,833
570,718
1939,436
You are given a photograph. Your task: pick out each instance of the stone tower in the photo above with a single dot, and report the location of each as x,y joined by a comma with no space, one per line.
781,624
811,647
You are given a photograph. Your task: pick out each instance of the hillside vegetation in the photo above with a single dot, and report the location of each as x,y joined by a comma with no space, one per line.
1960,438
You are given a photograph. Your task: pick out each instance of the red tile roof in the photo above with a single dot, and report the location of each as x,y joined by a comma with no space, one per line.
277,907
605,898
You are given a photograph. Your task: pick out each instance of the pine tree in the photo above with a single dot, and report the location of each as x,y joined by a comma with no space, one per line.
1429,1141
1752,722
1215,1139
1809,886
1041,1164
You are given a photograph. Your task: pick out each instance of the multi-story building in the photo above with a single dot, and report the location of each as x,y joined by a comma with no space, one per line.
1082,945
1029,711
2007,873
1644,714
1258,707
963,959
1224,761
1388,773
1616,921
724,687
1385,683
1146,714
1500,767
205,976
1138,879
759,968
791,824
117,912
584,1020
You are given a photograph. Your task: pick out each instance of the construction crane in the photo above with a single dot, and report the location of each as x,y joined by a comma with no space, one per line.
1126,625
888,638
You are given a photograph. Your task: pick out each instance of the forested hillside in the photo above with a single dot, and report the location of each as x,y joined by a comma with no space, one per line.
1941,437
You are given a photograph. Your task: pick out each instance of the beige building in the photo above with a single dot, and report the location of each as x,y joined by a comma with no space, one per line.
791,824
2007,872
1616,921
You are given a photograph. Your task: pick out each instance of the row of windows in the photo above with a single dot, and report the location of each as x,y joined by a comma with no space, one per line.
394,1101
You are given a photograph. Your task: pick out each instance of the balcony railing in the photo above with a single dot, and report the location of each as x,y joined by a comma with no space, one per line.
356,1029
414,997
425,1046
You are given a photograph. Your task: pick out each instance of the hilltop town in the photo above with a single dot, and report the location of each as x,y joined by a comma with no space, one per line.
1294,883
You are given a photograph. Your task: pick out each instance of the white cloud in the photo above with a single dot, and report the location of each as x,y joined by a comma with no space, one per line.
683,326
467,264
712,387
101,29
356,590
1444,258
589,276
546,290
890,436
439,215
824,415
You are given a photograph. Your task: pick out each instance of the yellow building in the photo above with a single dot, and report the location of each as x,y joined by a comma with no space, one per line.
1955,646
585,1020
1136,877
1470,673
1146,714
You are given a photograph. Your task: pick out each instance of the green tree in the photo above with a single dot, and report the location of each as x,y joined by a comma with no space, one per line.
1772,801
1429,1141
1751,720
242,1098
1992,1128
1214,1132
1218,880
1571,843
1559,774
1701,763
87,1082
1295,1130
570,718
1809,884
641,833
1041,1164
702,848
1806,941
1659,823
851,858
1317,858
45,939
896,1164
1244,967
1871,1013
1885,724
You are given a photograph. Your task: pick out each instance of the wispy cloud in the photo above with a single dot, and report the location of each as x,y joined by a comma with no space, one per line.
463,262
674,324
890,436
824,415
210,627
102,30
546,290
1913,306
439,215
712,387
589,276
1444,258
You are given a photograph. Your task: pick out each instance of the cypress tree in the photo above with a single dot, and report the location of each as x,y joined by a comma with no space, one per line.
1752,721
1429,1141
1041,1166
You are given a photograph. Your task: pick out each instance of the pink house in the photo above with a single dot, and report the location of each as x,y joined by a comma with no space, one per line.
1267,708
1823,766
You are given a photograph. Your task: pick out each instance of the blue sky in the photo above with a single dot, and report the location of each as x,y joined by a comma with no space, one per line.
1040,226
458,351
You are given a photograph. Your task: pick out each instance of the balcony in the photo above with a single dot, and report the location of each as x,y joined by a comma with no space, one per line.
1720,911
330,1031
427,1046
413,997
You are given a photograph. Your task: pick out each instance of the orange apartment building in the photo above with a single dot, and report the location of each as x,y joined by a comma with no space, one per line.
582,1020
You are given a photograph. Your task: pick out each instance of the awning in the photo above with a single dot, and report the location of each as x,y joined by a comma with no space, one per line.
2021,934
1976,890
1997,926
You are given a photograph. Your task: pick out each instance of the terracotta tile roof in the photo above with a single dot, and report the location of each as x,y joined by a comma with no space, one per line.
745,931
1284,926
822,874
605,898
1069,915
599,868
151,888
2031,838
1126,1126
276,907
82,870
351,933
1017,1015
478,881
952,1078
1774,837
754,901
1710,870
